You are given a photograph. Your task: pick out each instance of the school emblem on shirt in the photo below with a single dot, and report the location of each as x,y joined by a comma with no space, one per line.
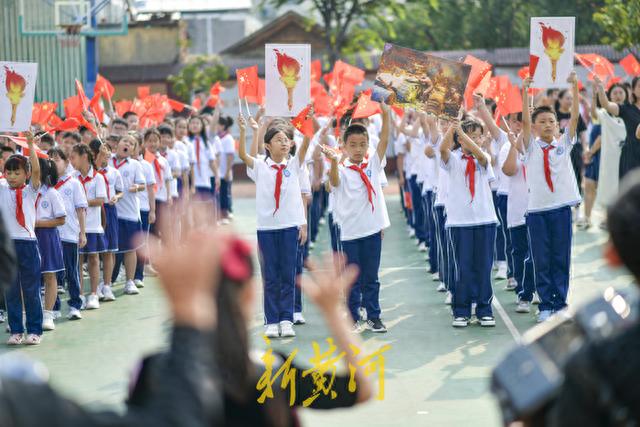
44,204
287,173
369,173
67,192
125,173
560,151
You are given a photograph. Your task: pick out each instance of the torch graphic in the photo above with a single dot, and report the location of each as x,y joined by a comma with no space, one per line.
289,70
15,85
553,41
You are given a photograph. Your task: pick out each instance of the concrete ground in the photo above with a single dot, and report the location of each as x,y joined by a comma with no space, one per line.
434,374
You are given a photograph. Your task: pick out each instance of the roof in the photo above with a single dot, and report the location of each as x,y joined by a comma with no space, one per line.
273,28
139,73
190,6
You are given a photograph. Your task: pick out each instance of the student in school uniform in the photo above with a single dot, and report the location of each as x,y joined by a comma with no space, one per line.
73,231
18,204
281,222
225,159
363,216
83,160
416,151
128,208
471,221
205,162
430,168
50,214
162,175
553,191
132,119
177,163
303,247
148,211
187,156
115,191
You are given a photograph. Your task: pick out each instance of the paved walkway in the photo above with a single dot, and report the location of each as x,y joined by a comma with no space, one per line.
434,374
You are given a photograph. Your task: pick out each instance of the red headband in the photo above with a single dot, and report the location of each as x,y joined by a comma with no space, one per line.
235,260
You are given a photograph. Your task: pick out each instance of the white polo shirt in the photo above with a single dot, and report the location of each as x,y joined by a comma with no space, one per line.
129,205
416,149
227,146
203,155
185,148
565,193
442,187
173,159
50,204
150,179
113,180
356,216
8,207
95,188
291,211
73,197
431,167
305,181
517,187
161,192
501,179
462,210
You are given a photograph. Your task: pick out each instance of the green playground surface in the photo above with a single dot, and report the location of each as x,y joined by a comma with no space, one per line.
433,374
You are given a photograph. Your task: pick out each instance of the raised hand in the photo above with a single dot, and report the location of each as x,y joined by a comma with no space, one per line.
329,152
242,123
254,125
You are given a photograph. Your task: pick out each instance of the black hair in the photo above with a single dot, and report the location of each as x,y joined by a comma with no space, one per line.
149,132
82,129
48,172
203,131
226,122
491,104
128,114
355,129
46,137
467,126
540,110
274,130
165,130
84,149
634,83
119,121
561,94
73,135
623,216
7,149
621,86
16,162
56,152
518,116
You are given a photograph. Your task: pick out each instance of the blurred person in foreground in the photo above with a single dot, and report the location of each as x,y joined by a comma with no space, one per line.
601,380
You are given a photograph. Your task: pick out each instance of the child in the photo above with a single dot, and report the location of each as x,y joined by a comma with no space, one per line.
129,222
162,175
50,214
148,211
82,159
281,222
176,162
363,215
73,231
187,157
205,165
471,221
553,191
17,201
132,120
226,156
115,188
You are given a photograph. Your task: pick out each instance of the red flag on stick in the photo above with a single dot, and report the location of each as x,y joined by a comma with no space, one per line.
22,142
303,123
247,81
143,92
316,70
350,74
533,64
630,65
365,107
176,105
73,106
596,64
259,98
82,96
479,69
105,87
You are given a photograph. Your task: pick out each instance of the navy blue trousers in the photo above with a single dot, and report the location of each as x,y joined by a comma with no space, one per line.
140,263
365,253
473,257
550,234
500,249
301,256
443,247
334,233
25,288
225,200
315,212
278,250
408,211
503,232
418,210
522,263
430,226
71,274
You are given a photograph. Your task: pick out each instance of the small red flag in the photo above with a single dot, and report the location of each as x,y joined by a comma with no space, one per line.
533,64
105,87
479,69
596,64
316,70
365,107
350,73
197,103
70,123
143,92
630,65
303,123
247,81
96,107
73,106
513,103
22,142
322,105
122,107
259,98
523,72
176,105
82,96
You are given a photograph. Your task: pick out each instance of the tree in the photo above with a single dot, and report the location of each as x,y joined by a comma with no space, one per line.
349,24
198,75
621,22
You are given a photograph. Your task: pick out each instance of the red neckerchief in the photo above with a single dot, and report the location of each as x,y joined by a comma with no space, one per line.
547,166
279,169
103,172
524,172
470,174
118,165
37,200
197,139
84,180
365,180
156,166
19,211
61,183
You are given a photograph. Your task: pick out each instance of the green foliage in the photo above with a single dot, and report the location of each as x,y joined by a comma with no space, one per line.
621,22
198,75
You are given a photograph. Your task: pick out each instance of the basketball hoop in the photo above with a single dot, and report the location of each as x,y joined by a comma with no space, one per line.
70,37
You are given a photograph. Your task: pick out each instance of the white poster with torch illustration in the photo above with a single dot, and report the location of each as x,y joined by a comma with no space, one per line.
17,90
288,79
552,46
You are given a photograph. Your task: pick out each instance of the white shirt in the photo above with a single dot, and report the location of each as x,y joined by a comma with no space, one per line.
291,211
73,198
501,178
161,181
129,205
565,193
227,146
95,188
415,151
150,179
8,207
113,180
442,187
430,168
305,181
50,204
204,155
462,210
173,159
356,216
517,189
186,150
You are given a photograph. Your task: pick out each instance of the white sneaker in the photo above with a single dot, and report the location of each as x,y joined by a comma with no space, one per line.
412,233
286,329
363,313
74,314
422,247
138,283
441,287
435,277
107,293
47,321
322,221
501,274
523,307
448,298
61,290
544,315
100,295
271,331
460,322
358,327
511,284
536,299
130,288
225,221
312,245
2,318
298,319
33,339
494,266
57,314
92,302
83,306
487,321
